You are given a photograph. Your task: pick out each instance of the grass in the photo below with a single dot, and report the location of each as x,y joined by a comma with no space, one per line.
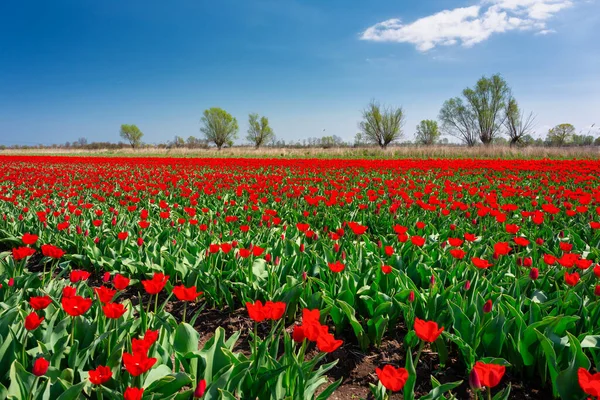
400,152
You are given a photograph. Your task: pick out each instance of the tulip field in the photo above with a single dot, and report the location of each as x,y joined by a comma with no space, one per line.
154,278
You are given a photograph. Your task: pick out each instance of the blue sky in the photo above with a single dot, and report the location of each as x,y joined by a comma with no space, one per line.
81,68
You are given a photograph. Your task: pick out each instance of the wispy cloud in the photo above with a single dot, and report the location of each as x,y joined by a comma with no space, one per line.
469,25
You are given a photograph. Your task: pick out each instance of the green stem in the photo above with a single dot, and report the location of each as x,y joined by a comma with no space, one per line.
489,392
156,304
72,331
184,310
255,340
419,353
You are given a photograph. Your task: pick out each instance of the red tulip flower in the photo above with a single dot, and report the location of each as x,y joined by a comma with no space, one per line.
392,378
76,305
22,252
113,310
29,239
133,393
33,321
51,251
200,389
100,375
137,363
571,279
336,266
186,294
120,282
489,375
480,263
589,383
327,343
105,295
78,275
427,331
40,302
40,366
156,284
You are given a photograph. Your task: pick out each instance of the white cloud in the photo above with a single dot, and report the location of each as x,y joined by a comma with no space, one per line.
469,25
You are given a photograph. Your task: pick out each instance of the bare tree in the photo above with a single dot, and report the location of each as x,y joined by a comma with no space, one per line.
516,123
382,125
458,121
487,100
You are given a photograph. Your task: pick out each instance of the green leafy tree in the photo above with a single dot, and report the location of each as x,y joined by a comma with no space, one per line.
218,127
458,121
381,125
132,134
259,131
561,134
516,123
428,132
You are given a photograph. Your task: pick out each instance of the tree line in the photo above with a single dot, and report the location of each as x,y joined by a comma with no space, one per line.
486,114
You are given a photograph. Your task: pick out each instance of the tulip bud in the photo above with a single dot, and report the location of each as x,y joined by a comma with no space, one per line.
534,273
200,389
487,307
106,277
411,296
304,275
40,366
597,290
467,285
474,381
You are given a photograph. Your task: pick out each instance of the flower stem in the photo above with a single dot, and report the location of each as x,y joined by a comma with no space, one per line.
184,310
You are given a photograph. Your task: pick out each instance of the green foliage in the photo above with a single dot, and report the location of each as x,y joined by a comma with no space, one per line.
459,121
132,134
561,135
218,127
427,132
381,125
259,131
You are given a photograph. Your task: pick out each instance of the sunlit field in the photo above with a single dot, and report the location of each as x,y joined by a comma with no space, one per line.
248,278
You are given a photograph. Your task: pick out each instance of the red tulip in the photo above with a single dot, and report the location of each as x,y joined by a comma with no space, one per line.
298,334
200,389
137,363
78,275
40,302
105,295
29,239
22,252
480,263
589,383
534,273
327,343
51,251
487,307
386,269
392,378
113,310
156,284
427,331
120,282
76,305
571,279
40,367
336,266
133,393
489,375
100,375
186,294
33,321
